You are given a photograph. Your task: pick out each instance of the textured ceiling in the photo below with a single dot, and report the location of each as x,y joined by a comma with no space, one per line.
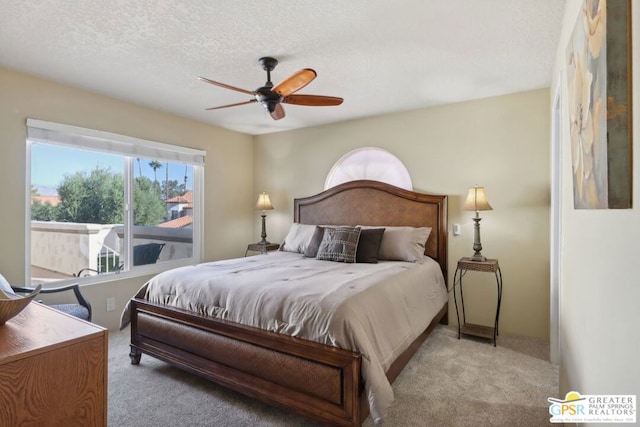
380,56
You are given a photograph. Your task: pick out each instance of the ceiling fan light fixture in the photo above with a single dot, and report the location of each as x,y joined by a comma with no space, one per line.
270,106
267,98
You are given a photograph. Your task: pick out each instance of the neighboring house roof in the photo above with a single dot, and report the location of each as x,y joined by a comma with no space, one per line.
183,221
187,197
53,200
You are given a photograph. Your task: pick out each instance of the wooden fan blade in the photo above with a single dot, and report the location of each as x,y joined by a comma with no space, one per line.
232,105
278,112
237,89
295,82
312,100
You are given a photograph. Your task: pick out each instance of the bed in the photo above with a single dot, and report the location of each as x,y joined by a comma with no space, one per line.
311,378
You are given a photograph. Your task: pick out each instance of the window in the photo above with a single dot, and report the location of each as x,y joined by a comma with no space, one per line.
103,204
369,163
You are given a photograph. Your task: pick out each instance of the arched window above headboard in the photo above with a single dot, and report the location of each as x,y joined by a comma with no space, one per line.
369,163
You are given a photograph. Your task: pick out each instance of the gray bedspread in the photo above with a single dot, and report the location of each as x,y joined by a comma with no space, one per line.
374,309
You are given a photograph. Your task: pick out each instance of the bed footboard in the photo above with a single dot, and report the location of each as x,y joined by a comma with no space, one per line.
312,379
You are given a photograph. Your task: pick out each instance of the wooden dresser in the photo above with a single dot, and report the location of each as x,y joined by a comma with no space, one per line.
53,370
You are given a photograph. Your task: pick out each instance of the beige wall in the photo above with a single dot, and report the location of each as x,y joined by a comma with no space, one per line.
599,287
228,170
501,143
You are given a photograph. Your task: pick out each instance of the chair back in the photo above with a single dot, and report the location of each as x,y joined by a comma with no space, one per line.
147,253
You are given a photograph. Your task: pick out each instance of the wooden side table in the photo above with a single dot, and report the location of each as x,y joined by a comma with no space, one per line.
263,248
53,370
488,266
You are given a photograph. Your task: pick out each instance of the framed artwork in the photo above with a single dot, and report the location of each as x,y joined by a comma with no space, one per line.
599,93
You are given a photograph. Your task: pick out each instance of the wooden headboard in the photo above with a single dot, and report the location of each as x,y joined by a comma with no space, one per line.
376,203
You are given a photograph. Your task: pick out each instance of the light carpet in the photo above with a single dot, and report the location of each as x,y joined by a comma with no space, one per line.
449,382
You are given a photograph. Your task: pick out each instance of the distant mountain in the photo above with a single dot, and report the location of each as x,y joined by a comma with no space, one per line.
45,190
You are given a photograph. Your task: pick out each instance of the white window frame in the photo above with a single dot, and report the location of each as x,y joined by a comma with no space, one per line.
130,148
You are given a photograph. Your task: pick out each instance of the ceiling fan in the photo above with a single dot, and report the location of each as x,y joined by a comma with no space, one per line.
272,97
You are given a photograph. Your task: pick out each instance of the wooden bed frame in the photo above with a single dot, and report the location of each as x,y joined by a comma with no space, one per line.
312,379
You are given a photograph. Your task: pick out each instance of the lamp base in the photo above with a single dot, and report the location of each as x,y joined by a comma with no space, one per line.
477,246
264,230
477,258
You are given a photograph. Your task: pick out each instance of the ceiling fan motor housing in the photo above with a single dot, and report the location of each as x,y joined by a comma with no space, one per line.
267,98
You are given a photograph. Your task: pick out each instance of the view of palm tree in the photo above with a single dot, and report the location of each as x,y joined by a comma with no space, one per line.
85,191
155,165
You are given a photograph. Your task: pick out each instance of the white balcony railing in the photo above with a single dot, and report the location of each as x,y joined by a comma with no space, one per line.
66,248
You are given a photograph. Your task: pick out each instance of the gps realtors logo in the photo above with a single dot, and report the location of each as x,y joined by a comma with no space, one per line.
605,408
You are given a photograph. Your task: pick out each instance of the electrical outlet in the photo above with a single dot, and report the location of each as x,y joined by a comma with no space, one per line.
111,303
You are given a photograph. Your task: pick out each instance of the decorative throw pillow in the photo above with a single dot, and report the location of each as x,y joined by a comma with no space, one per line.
314,243
298,238
403,243
369,245
339,244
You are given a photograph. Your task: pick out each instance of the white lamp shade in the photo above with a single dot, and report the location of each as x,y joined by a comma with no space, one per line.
476,200
264,203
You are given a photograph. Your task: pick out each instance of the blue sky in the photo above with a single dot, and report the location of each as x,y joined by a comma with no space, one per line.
50,163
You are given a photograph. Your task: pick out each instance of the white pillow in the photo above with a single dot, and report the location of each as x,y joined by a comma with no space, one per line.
402,243
298,238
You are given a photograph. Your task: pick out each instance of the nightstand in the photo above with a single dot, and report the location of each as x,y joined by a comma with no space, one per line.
53,369
263,248
488,266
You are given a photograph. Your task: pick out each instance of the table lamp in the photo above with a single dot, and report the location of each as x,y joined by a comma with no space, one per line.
264,204
477,201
